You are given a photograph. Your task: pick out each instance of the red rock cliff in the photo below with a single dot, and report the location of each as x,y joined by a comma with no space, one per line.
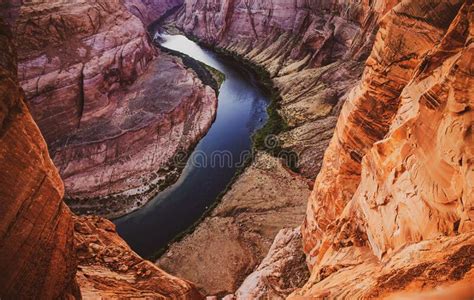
392,208
41,242
314,52
100,93
37,257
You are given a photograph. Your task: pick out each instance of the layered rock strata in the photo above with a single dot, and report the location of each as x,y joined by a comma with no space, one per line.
314,52
108,268
391,210
36,244
112,108
41,243
263,200
392,205
150,11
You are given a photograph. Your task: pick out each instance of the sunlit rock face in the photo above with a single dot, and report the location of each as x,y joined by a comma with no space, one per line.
108,268
106,99
36,230
394,196
391,209
314,52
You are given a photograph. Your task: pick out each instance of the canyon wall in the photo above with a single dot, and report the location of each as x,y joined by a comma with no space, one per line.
150,11
391,208
100,93
314,52
42,244
109,269
264,199
393,202
36,233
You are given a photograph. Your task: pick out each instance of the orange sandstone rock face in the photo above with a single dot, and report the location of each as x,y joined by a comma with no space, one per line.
108,268
405,38
443,265
392,209
36,231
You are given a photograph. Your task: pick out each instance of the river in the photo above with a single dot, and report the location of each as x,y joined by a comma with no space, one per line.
213,163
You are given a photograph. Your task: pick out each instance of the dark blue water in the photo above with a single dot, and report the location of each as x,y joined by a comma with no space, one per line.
241,110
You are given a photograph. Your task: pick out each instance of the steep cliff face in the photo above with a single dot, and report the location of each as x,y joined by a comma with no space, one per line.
41,243
36,243
101,95
108,268
314,52
151,10
264,199
393,202
392,206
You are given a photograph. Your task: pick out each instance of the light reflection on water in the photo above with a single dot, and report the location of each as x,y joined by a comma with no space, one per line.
241,110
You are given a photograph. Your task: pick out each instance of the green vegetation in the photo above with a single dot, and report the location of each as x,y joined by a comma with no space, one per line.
275,125
218,76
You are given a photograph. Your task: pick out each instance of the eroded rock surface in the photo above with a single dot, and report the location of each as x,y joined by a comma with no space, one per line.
36,244
112,108
150,11
391,210
230,243
281,272
108,268
40,237
314,52
392,205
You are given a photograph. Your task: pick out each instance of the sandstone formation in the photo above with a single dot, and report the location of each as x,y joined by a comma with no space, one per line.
106,100
397,176
280,272
393,202
150,11
231,242
36,243
433,265
108,268
314,52
39,236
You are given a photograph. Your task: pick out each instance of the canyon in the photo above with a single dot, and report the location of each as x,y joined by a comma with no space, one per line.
360,212
92,83
374,97
43,244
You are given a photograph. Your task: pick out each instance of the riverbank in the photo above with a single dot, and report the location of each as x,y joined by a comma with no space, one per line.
272,127
263,198
275,124
168,108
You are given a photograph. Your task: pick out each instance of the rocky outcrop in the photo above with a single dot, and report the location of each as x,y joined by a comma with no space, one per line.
41,243
70,71
116,165
108,268
440,268
36,244
263,200
392,205
280,273
150,11
314,52
106,99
